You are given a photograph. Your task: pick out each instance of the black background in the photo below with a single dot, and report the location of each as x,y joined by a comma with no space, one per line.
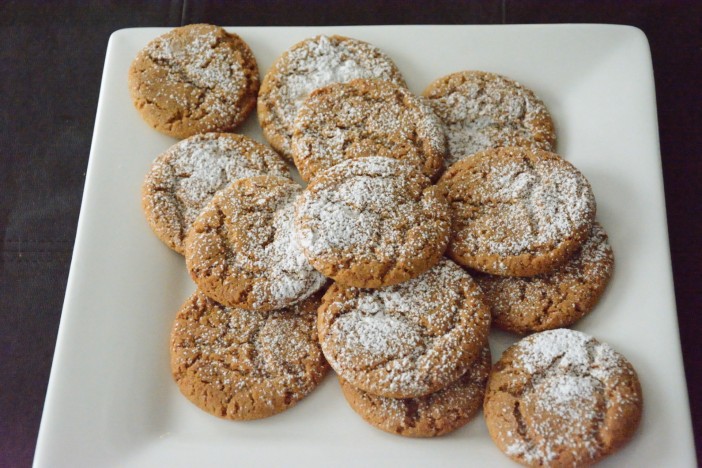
51,59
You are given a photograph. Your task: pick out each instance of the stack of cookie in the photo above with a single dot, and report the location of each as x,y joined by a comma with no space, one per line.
405,328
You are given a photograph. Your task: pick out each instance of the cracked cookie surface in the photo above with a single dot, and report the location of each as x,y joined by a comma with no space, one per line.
366,117
552,300
241,251
184,179
432,415
194,79
483,110
562,398
372,222
308,65
407,340
516,212
240,364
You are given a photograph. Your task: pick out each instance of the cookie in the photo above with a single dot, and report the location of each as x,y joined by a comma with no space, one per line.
517,212
366,118
241,364
552,300
562,398
241,251
408,340
194,79
183,180
306,66
429,416
484,110
372,222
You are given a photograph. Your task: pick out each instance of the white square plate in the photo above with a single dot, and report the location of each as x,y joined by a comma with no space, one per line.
111,400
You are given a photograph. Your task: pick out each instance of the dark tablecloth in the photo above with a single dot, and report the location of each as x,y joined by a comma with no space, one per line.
51,59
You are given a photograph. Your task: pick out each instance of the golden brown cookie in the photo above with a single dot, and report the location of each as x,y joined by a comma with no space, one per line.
562,398
240,364
308,65
552,300
432,415
408,340
372,222
517,212
184,178
366,118
194,79
483,110
241,252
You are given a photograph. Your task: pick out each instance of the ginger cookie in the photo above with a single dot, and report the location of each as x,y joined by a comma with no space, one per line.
194,79
432,415
484,110
241,364
562,398
372,222
552,300
184,179
308,65
241,251
516,211
407,340
366,118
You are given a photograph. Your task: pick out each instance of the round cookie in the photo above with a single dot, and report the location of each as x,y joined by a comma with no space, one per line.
484,110
194,79
241,251
552,300
240,364
308,65
372,222
432,415
562,398
408,340
184,178
366,118
516,212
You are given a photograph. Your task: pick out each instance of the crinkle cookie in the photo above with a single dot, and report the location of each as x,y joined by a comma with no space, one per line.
241,364
407,340
241,251
194,79
552,300
308,65
484,110
562,398
516,211
184,178
432,415
366,117
372,222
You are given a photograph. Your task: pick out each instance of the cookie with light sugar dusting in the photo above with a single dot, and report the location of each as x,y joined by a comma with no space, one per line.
483,110
241,251
308,65
562,398
194,79
407,340
432,415
517,212
240,364
552,300
372,222
366,117
186,176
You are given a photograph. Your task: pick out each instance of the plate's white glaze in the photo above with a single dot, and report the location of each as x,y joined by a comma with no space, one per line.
111,401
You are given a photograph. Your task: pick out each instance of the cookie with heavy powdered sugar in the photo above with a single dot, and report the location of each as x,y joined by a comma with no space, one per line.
562,398
308,65
407,340
241,250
